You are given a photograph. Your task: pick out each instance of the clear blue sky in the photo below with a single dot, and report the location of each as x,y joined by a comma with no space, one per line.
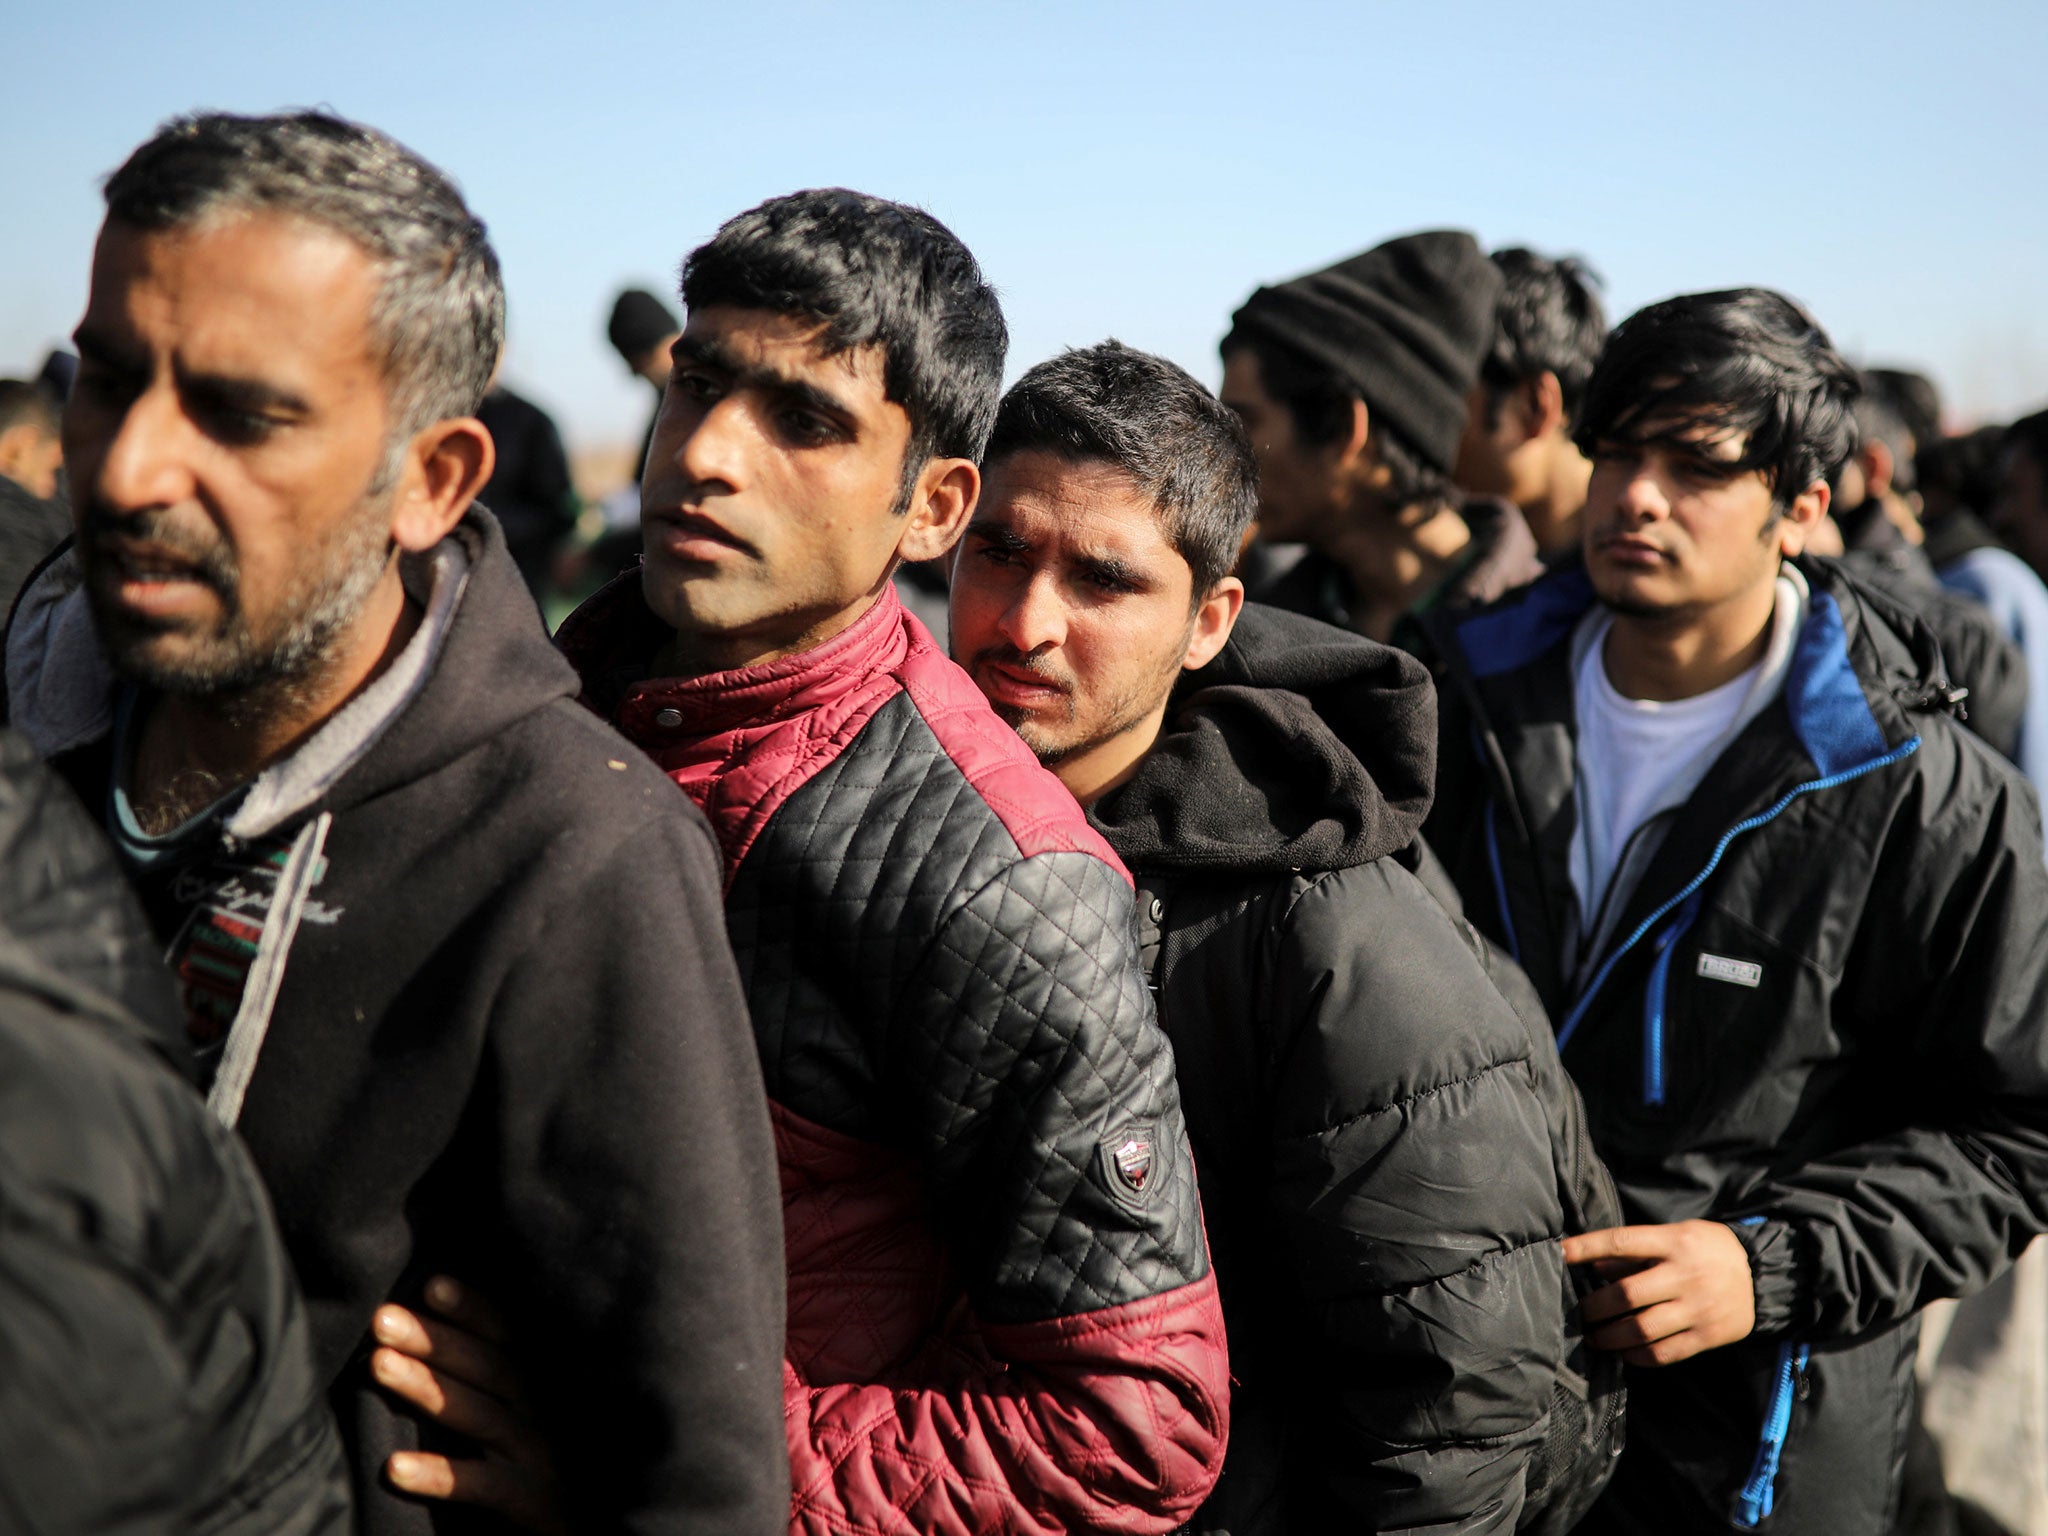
1128,169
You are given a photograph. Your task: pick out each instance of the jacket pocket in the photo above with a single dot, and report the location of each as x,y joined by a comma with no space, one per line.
1758,1496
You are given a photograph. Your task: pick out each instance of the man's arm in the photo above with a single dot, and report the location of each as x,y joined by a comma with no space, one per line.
642,1275
1414,1186
1864,1235
1088,1391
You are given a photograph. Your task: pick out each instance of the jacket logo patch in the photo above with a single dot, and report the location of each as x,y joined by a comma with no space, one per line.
1129,1156
1742,973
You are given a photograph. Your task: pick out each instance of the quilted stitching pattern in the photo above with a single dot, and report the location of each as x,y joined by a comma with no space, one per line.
914,982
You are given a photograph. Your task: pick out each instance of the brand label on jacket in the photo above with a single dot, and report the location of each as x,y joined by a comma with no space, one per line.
1742,973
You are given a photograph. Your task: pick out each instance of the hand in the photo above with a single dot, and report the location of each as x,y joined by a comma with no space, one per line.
453,1367
1676,1290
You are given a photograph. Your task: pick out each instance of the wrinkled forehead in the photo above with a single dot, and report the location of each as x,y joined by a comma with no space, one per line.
1077,504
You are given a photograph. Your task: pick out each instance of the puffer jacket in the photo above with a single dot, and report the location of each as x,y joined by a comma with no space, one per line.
156,1370
1001,1314
1818,1020
1366,1114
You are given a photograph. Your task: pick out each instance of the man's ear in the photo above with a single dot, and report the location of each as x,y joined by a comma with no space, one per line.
1545,403
1878,467
1215,617
940,506
1802,517
445,466
1351,447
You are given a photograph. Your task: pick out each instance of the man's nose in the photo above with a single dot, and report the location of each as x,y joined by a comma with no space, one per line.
709,444
1641,497
145,457
1036,619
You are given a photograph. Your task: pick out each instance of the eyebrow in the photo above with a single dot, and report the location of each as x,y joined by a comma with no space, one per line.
1000,534
710,354
229,390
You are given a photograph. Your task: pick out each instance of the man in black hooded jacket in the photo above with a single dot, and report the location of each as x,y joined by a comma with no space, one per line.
1369,1116
450,955
1786,912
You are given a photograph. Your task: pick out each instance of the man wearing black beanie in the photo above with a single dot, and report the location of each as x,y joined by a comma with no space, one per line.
1353,383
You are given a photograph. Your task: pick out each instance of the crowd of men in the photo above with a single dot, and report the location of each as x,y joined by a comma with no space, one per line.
1449,940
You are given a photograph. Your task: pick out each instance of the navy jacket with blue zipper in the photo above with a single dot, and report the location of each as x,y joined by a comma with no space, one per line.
1820,1018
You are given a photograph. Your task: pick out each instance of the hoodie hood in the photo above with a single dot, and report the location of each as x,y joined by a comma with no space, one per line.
1299,748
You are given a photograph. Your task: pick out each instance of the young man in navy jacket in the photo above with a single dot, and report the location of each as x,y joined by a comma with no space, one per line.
1785,911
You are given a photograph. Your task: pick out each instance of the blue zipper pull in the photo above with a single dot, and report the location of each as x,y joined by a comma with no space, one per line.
1759,1495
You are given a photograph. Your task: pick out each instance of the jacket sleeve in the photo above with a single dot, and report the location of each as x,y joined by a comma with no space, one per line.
1088,1388
641,1207
1858,1237
1413,1185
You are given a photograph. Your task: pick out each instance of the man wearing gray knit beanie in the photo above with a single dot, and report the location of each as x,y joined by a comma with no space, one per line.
1353,383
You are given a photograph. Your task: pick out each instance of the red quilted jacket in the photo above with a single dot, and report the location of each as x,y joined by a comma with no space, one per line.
1001,1315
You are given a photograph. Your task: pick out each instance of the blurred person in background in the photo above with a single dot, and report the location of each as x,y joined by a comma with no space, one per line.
1548,331
1873,526
529,492
33,522
1354,384
2020,510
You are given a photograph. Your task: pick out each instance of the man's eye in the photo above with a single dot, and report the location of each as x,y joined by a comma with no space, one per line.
809,427
1104,581
995,554
236,429
693,386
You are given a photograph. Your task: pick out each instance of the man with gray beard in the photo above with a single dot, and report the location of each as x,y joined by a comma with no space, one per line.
452,957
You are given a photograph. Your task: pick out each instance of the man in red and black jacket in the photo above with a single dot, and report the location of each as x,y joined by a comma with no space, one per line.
1001,1313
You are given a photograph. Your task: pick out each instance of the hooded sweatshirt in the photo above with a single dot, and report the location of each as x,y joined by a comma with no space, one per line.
461,962
1375,1149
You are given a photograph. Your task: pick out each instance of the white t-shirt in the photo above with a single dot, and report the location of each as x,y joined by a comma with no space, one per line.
1640,757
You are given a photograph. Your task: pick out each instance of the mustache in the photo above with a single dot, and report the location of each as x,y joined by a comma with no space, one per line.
1010,656
102,530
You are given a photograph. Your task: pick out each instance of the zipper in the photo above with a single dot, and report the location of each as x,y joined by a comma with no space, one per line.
1500,882
1579,1009
1759,1495
1653,1001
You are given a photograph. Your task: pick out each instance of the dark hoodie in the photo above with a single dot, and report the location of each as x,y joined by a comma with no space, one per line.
487,1023
1376,1167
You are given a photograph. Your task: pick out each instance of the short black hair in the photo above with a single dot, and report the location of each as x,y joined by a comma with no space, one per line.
1913,396
873,273
1877,422
1549,320
438,318
25,404
1150,419
1319,401
1742,360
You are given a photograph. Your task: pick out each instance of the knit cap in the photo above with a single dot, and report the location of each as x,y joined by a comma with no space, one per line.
1405,324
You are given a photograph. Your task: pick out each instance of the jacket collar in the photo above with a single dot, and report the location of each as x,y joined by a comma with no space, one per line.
1826,702
611,638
